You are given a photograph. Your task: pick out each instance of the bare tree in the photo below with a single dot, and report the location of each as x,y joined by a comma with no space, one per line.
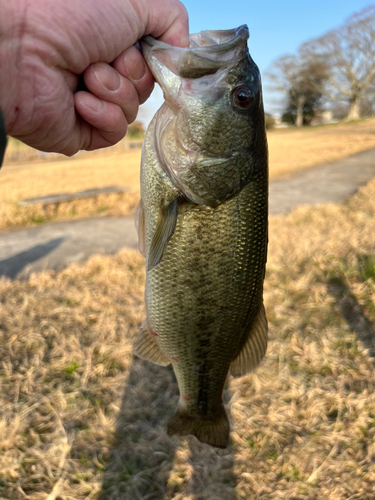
298,78
349,53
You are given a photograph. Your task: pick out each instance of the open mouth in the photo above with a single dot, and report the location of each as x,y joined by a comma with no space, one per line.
208,52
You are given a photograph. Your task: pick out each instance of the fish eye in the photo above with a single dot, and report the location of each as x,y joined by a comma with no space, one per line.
243,97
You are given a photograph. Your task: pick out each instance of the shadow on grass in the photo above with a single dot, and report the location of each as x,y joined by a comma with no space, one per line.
353,313
145,463
12,266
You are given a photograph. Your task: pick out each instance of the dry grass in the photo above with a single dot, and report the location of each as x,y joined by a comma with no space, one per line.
18,182
293,149
81,419
290,150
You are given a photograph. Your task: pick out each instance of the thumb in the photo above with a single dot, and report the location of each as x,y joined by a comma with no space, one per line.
168,21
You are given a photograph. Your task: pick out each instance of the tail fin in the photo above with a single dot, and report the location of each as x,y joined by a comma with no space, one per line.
213,431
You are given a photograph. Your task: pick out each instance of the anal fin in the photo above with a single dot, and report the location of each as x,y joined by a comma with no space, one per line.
254,348
146,347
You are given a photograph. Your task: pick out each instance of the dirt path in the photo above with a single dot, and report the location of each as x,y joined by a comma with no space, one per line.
329,182
56,245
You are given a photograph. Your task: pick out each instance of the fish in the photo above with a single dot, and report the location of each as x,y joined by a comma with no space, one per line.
202,224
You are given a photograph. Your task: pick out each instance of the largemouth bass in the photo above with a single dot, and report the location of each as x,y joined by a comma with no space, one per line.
202,223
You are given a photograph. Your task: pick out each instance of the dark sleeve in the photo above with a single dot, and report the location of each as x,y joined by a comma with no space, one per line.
3,138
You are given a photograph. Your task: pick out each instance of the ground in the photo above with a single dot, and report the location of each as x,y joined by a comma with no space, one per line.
290,150
81,418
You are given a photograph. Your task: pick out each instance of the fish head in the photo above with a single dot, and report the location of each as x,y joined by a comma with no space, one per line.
208,130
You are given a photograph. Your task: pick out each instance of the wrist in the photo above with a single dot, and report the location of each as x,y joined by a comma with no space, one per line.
12,13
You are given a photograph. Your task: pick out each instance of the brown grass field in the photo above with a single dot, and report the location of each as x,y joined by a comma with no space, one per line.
290,150
81,418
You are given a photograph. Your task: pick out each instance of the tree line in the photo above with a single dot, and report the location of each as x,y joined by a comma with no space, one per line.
335,71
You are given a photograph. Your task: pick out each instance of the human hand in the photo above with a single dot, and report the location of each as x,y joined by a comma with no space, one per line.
46,45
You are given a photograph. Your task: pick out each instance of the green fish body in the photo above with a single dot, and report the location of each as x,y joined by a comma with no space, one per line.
202,224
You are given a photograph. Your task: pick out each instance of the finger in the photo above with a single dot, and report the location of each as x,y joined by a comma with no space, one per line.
166,19
177,33
104,123
131,65
108,85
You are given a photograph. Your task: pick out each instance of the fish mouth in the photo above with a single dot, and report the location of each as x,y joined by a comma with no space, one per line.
209,56
208,52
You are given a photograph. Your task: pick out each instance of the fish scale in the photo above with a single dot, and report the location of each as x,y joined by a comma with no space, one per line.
205,260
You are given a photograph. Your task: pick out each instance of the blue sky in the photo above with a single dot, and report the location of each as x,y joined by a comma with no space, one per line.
276,28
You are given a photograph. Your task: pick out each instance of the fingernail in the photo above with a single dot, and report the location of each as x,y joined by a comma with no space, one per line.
91,102
107,77
134,64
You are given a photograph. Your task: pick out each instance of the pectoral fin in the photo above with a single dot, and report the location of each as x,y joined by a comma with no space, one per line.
147,348
164,231
212,181
254,349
